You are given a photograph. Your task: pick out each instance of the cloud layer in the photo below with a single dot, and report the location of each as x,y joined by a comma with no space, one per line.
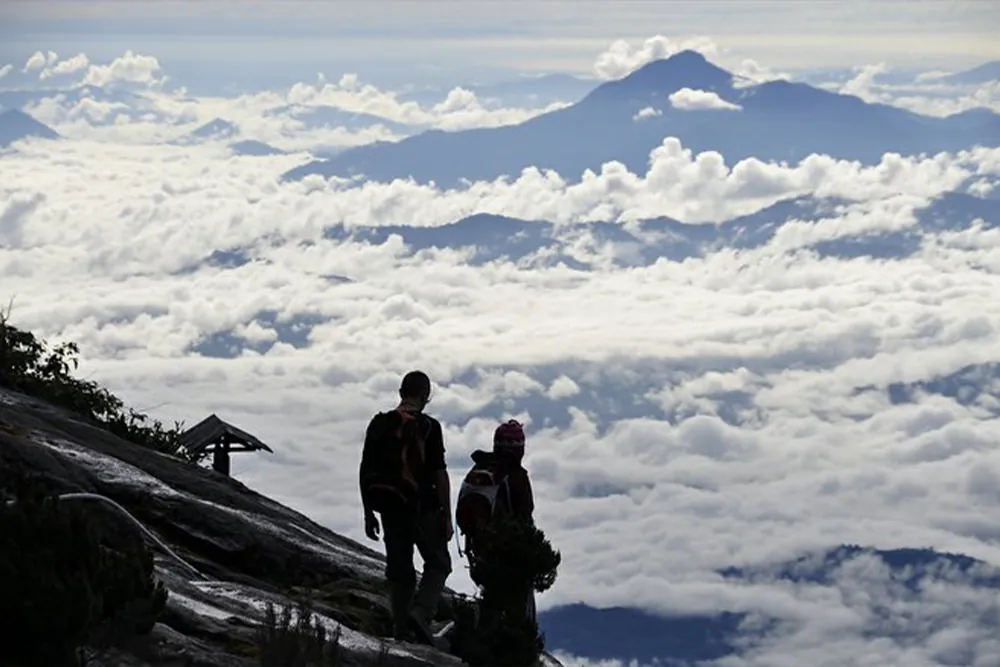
924,95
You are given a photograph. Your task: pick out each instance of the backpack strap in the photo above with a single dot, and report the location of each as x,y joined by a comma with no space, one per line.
510,501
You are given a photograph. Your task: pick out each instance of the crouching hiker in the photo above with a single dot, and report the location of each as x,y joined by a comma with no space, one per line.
404,479
497,488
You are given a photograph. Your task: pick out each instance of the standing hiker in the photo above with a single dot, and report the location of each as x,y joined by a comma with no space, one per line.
403,477
496,488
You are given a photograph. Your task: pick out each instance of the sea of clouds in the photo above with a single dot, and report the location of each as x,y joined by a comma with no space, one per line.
681,417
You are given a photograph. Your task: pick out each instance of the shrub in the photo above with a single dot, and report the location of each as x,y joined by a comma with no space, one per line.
520,558
495,628
65,584
302,643
32,366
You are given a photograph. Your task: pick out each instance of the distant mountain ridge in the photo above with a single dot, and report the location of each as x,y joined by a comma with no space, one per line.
315,117
16,125
778,120
989,71
643,243
252,147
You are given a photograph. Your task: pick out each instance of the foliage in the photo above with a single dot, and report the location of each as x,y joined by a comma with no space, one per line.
515,560
32,366
299,643
67,583
516,557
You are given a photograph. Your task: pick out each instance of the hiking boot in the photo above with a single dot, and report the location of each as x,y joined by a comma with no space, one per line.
421,628
404,634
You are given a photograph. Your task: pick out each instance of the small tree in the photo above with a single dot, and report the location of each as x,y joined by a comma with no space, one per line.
517,562
31,366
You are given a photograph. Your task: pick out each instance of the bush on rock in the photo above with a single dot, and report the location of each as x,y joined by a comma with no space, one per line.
66,583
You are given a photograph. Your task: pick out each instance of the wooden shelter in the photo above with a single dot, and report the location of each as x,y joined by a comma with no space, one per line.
213,436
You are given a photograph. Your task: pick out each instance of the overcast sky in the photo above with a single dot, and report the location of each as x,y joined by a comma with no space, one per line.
483,38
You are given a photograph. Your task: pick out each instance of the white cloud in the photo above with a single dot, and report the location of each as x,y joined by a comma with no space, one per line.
926,95
128,68
933,75
861,84
562,387
38,60
569,660
620,58
982,187
749,72
459,110
683,416
646,112
277,118
67,66
678,184
687,99
60,112
5,70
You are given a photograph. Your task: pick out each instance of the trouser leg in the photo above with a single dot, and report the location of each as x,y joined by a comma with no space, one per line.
398,535
433,547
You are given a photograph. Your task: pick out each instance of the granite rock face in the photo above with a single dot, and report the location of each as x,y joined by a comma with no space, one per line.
245,549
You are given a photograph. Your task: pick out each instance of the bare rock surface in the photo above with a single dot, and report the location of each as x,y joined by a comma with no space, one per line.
246,549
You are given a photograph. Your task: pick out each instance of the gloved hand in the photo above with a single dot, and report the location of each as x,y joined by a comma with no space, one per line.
371,526
447,528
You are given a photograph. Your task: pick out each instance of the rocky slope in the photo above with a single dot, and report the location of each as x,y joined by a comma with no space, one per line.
245,549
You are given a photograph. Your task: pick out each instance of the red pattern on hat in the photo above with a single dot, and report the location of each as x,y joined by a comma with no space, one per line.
510,433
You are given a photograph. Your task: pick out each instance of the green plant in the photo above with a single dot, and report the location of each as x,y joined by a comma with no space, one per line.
32,366
302,643
495,628
67,583
133,599
518,559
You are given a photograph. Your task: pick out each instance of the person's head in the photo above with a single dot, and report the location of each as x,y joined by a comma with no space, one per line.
416,388
508,440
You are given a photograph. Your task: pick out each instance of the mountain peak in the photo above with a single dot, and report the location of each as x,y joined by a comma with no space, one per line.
688,56
11,115
685,64
16,124
686,69
215,128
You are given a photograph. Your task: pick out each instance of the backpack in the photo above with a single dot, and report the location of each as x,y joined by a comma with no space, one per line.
395,461
478,497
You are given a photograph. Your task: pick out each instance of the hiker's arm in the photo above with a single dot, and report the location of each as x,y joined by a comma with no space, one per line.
444,491
440,468
365,465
